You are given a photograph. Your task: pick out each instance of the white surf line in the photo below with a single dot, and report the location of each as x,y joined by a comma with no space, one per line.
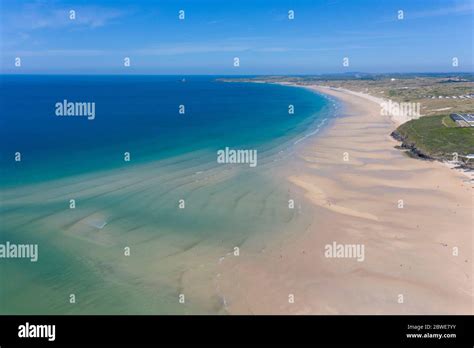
316,131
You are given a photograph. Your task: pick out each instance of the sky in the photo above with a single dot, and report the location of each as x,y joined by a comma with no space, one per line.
214,32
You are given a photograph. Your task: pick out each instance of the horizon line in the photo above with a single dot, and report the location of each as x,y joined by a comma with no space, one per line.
238,75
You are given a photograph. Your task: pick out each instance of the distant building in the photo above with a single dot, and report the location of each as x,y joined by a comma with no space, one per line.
463,120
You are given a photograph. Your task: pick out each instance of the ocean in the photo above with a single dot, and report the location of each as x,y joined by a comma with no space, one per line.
129,208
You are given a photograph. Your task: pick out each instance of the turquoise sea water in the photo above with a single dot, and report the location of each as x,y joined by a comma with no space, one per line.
135,204
140,115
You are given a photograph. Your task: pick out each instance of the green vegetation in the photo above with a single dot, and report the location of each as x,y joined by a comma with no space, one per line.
448,122
437,137
434,136
434,92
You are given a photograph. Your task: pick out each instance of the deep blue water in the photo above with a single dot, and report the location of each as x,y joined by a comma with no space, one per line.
139,114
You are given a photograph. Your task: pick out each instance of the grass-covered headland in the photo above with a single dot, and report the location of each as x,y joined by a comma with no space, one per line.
437,137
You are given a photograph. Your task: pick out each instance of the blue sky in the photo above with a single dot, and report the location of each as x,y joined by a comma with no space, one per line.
215,31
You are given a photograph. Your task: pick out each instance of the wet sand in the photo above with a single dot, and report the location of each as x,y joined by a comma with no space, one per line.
410,266
281,255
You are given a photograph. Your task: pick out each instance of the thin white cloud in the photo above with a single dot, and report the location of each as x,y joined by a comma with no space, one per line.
61,53
38,16
456,9
187,48
179,49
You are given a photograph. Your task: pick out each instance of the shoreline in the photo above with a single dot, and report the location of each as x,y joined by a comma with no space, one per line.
409,250
397,120
175,250
281,250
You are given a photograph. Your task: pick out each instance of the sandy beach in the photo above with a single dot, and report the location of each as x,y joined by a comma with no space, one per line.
413,217
346,182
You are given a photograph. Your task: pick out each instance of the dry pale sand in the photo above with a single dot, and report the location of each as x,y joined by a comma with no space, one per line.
408,251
